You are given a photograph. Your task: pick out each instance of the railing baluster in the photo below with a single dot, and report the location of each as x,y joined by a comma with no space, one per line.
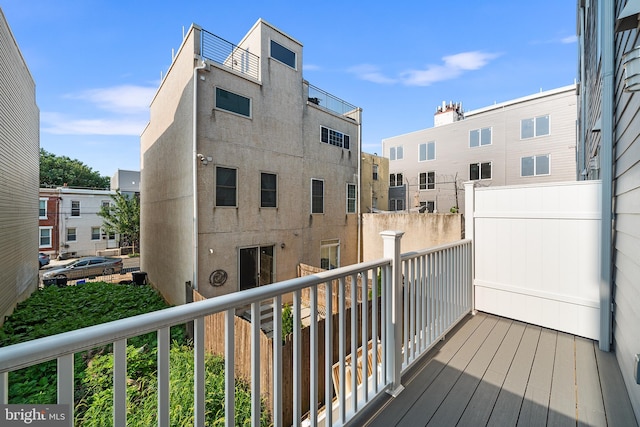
65,381
364,318
163,377
4,388
375,313
277,361
297,360
313,356
229,369
198,371
341,349
328,352
354,343
120,383
405,339
255,364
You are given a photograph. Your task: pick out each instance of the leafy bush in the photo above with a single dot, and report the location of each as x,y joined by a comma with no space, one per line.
287,321
142,392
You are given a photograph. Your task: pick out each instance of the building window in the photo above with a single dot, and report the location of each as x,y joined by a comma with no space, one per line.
105,204
330,254
45,237
535,165
396,205
283,54
317,196
478,137
374,203
375,172
333,137
75,208
395,180
396,153
43,209
538,126
431,206
479,171
225,186
268,192
351,198
95,233
232,102
71,234
428,181
427,151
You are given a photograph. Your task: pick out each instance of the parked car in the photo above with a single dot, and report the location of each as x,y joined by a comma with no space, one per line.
86,267
43,258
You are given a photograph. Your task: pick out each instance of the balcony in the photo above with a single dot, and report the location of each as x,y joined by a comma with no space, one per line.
326,101
228,55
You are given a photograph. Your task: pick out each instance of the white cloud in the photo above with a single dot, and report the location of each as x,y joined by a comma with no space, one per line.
454,66
569,39
56,123
119,99
370,73
310,67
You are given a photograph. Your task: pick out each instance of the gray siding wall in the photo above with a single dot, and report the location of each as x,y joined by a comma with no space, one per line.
626,175
453,155
19,175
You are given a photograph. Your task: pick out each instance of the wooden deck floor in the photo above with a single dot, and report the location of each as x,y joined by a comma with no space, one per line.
492,371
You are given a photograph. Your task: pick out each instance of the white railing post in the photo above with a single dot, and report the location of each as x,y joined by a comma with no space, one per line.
469,232
391,249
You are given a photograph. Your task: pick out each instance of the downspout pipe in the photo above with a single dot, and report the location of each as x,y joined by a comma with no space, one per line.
606,162
194,157
358,204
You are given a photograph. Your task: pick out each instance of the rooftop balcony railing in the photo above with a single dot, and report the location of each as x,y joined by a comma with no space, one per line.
227,54
420,296
332,103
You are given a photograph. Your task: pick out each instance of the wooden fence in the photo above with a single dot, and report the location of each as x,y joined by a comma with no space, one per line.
214,342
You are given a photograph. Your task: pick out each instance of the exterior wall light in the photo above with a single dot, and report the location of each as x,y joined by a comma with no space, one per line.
631,62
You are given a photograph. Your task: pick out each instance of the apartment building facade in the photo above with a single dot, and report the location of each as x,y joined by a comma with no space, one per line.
247,170
522,141
374,176
609,150
69,224
19,174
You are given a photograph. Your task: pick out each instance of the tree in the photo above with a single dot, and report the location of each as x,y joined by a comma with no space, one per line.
61,170
122,217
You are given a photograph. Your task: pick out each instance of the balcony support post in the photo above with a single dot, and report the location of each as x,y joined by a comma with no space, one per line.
391,249
469,233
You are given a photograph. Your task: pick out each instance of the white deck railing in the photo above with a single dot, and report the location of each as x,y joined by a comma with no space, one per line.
436,294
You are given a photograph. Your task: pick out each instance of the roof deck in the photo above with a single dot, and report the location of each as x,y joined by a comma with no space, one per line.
492,371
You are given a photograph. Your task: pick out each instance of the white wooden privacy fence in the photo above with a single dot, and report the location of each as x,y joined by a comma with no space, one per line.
423,294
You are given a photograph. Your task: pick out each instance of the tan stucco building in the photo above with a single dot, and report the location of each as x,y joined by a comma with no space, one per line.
272,160
522,141
375,183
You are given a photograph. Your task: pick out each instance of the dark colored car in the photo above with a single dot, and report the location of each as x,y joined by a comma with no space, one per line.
43,258
86,267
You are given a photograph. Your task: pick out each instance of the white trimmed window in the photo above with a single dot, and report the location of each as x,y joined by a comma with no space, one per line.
478,171
71,234
45,237
396,153
479,137
427,151
268,190
396,205
351,198
95,233
375,172
395,180
75,208
282,54
537,126
330,254
317,196
42,213
428,181
333,137
535,165
233,102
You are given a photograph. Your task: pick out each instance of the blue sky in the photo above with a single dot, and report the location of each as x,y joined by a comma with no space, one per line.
96,64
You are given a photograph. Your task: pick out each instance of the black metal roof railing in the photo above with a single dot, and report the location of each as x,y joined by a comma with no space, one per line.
227,54
330,102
